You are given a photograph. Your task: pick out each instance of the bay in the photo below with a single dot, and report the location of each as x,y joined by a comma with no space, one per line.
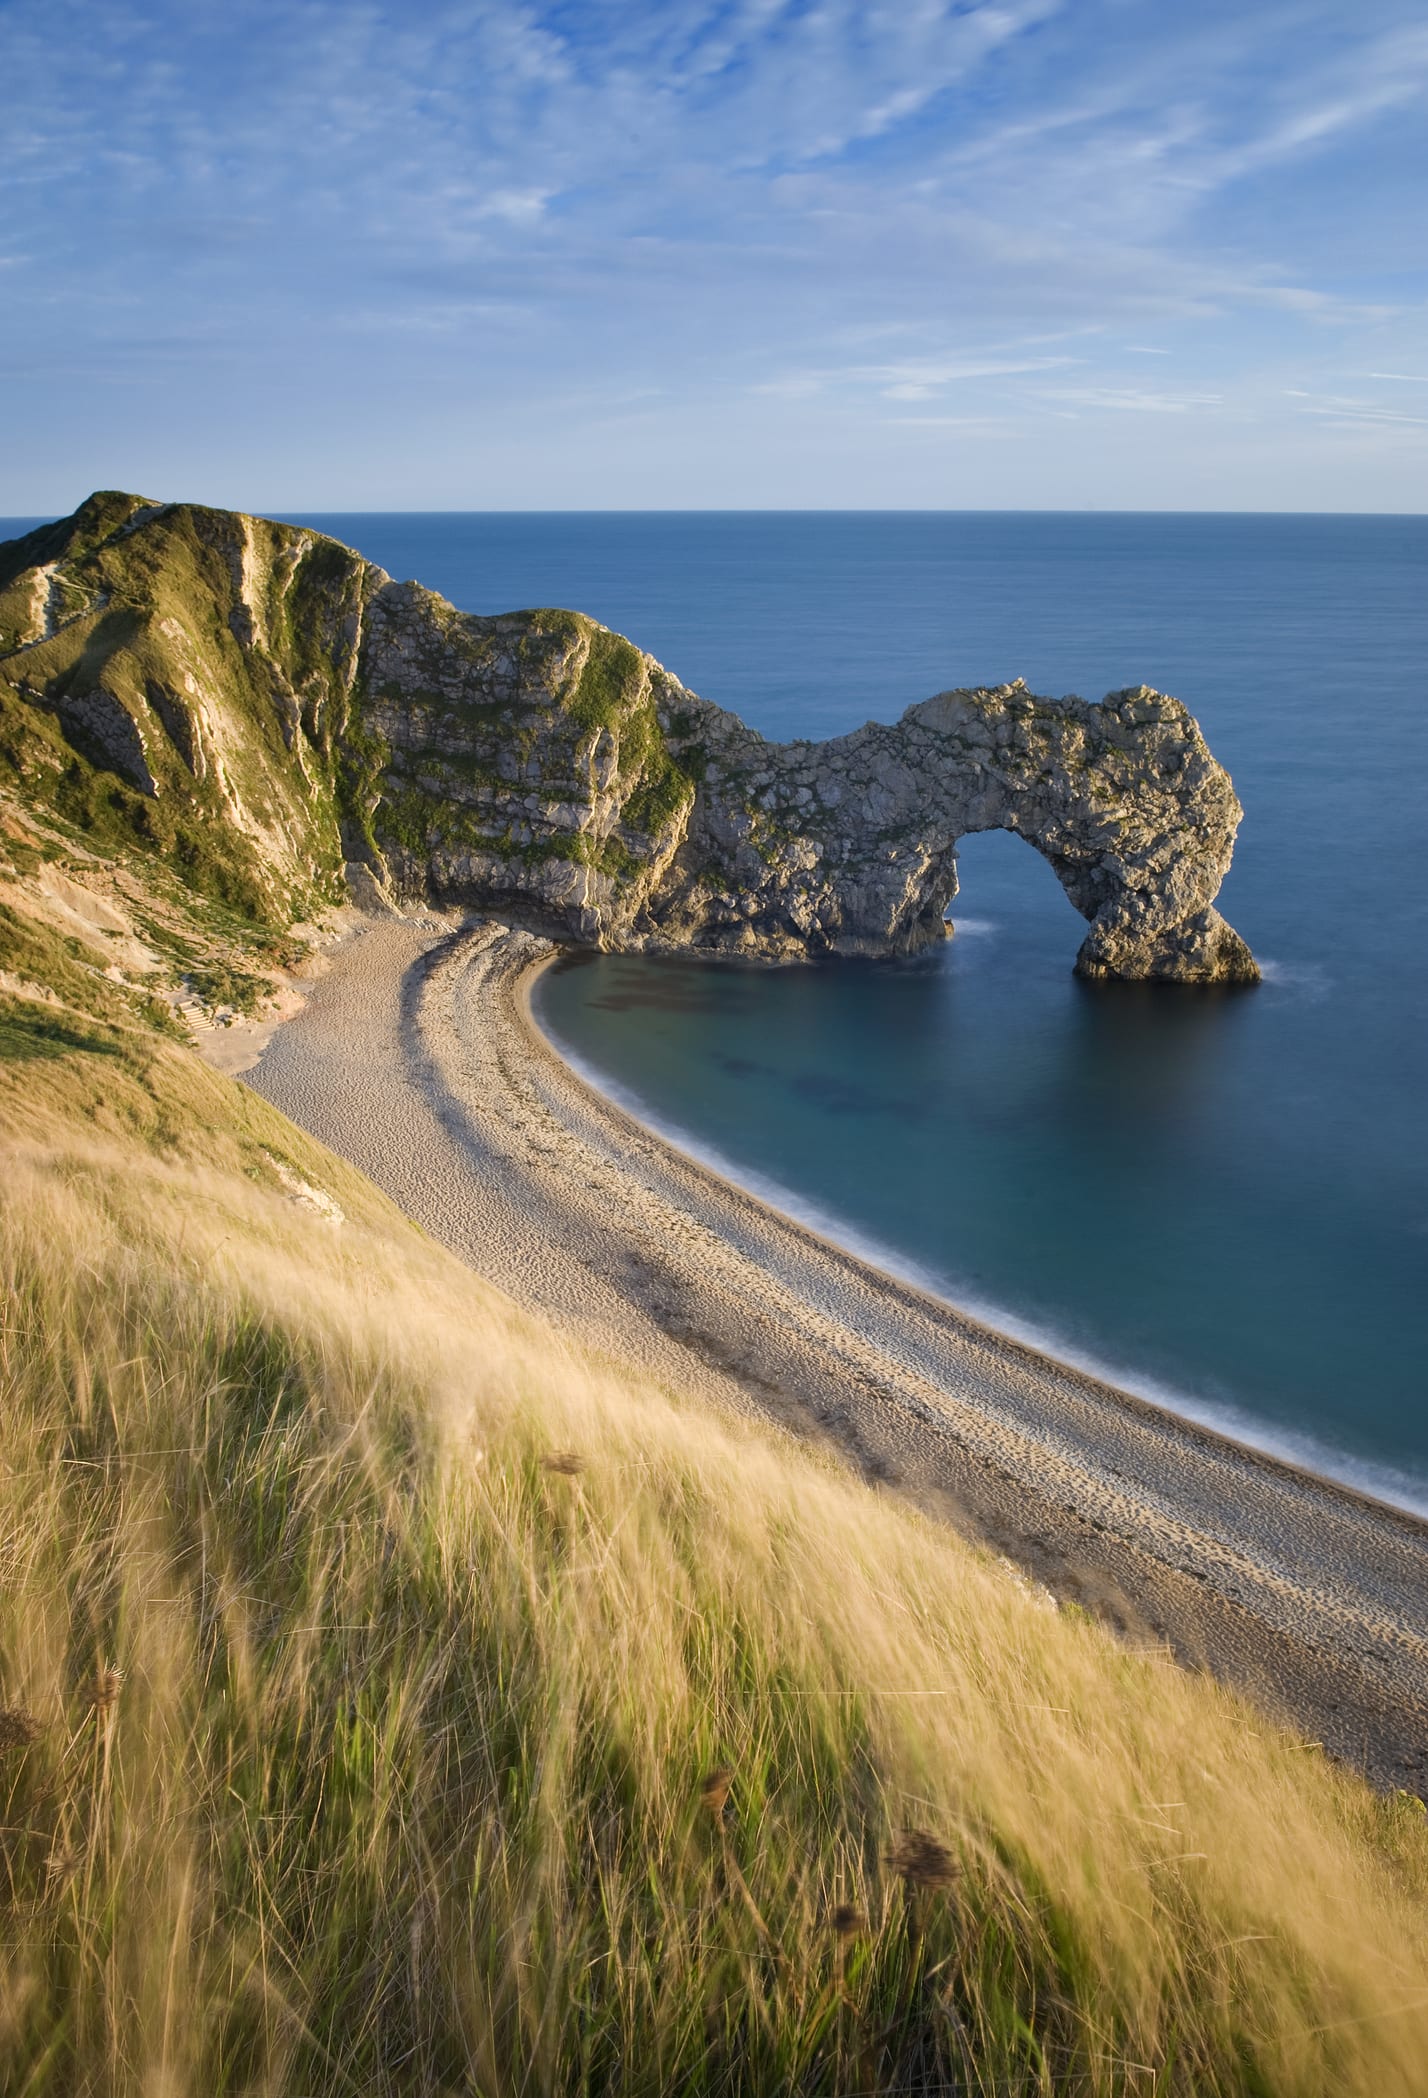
1221,1200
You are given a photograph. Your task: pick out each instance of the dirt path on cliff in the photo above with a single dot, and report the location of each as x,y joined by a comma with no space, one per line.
416,1059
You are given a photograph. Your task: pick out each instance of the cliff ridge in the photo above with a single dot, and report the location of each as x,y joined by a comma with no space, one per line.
262,706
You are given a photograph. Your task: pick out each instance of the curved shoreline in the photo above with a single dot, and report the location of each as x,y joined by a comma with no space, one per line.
419,1058
887,1263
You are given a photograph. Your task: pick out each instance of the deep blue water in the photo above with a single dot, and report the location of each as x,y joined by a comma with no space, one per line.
1221,1199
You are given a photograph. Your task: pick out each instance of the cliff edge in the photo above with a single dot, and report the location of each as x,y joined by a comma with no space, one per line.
260,706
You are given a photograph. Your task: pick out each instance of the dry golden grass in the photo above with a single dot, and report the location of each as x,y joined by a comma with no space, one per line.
394,1699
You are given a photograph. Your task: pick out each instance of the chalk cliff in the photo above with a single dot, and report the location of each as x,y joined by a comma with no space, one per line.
261,705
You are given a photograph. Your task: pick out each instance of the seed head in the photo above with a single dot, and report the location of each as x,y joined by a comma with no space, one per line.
714,1790
108,1682
62,1864
18,1728
923,1863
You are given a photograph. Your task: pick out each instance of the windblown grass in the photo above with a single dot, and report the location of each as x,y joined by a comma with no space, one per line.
394,1700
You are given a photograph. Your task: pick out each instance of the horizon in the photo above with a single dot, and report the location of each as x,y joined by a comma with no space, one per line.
305,513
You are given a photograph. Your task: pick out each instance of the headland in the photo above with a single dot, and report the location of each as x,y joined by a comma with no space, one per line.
252,679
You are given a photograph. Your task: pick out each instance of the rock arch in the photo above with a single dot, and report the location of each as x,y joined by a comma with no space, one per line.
850,846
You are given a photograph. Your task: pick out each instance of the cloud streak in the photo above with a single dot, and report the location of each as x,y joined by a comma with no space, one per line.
778,218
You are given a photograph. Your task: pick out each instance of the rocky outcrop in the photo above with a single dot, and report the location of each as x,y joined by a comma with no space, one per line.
852,844
266,679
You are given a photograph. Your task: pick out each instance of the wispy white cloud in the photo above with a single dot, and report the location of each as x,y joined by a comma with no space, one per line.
908,379
441,318
990,425
1346,408
517,206
1381,73
924,381
805,210
1133,400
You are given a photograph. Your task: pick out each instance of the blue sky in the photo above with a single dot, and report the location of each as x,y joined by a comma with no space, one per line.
789,253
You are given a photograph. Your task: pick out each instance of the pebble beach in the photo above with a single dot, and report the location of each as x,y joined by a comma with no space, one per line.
415,1057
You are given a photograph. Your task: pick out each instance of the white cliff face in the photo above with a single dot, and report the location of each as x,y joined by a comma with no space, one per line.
268,688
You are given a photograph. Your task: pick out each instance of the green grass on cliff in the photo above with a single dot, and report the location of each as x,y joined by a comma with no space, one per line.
109,815
145,618
177,683
613,693
394,1699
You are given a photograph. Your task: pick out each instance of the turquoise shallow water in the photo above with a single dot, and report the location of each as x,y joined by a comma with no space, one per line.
1221,1199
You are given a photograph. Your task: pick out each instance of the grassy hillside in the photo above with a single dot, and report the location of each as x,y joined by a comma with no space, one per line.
392,1699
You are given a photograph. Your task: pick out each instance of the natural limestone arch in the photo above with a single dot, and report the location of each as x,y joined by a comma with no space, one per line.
850,846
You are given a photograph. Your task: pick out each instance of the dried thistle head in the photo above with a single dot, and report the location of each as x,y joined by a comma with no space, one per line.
846,1922
108,1682
922,1863
18,1728
714,1789
62,1864
566,1464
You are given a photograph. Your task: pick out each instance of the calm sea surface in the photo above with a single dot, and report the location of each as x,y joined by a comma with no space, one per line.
1222,1200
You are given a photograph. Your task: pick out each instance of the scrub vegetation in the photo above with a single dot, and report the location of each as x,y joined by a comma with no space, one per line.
393,1698
613,693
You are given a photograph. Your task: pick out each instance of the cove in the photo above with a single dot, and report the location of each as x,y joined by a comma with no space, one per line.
1220,1196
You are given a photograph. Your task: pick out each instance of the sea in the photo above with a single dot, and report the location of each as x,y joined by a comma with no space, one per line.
1216,1199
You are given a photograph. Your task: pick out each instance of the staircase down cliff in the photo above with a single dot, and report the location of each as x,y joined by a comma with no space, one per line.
260,705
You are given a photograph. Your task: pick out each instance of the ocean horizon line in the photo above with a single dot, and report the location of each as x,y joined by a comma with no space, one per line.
299,512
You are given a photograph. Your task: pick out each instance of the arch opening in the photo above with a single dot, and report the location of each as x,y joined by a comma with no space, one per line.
1008,890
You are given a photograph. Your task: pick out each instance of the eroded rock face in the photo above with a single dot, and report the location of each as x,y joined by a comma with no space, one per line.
268,680
852,844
